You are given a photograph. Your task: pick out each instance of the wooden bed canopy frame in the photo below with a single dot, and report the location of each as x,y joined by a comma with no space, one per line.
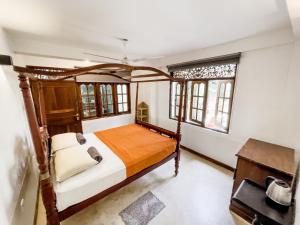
40,135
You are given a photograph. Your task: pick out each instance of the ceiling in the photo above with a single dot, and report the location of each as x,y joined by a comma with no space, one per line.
153,27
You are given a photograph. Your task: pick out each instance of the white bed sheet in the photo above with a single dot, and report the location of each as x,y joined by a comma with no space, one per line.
110,171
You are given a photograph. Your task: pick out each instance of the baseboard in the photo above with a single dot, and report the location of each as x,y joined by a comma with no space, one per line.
208,158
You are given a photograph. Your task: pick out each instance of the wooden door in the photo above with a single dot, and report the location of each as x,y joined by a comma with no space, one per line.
61,105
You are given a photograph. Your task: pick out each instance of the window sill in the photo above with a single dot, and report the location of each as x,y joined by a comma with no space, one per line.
106,116
200,125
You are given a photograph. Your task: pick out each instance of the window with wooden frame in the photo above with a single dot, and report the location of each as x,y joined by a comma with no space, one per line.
122,98
175,99
104,99
208,91
107,99
198,100
224,100
88,99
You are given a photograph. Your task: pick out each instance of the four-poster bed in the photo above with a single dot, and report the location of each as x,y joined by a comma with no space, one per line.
38,128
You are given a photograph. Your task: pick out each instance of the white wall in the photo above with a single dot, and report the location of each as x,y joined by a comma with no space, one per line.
14,144
90,126
23,60
148,93
265,99
293,106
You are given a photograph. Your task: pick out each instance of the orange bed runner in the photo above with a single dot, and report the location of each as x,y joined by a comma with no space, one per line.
137,146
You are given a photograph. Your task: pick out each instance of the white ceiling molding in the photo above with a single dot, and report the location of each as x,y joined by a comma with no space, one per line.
256,42
294,12
153,27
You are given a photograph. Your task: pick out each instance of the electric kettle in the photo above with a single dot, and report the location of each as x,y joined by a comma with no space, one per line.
278,191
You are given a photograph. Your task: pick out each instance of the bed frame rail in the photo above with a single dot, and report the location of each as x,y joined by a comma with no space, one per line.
159,130
82,205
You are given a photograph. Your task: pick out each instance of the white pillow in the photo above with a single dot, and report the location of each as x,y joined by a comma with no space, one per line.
62,141
71,161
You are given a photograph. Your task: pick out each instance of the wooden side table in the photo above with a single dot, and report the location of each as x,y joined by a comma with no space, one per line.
257,160
253,197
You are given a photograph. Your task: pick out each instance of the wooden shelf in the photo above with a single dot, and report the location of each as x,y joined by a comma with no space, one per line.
143,112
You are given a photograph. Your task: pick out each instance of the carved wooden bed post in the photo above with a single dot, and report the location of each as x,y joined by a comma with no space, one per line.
48,195
42,105
136,100
177,158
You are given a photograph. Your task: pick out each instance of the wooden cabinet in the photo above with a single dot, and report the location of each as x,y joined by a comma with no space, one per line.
257,160
58,100
143,112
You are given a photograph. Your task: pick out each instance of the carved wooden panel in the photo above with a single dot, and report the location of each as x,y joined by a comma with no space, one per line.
207,72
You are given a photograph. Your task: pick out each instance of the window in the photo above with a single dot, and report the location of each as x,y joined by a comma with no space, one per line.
122,98
88,100
106,96
209,91
224,103
175,86
98,99
198,97
219,104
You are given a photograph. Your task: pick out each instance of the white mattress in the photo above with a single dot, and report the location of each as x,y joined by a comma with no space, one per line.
110,171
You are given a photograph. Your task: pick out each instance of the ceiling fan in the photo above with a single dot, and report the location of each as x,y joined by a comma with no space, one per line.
125,59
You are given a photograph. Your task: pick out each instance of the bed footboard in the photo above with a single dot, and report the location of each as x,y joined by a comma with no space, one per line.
78,207
168,133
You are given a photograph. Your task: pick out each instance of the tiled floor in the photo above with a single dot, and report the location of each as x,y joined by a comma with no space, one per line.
198,195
